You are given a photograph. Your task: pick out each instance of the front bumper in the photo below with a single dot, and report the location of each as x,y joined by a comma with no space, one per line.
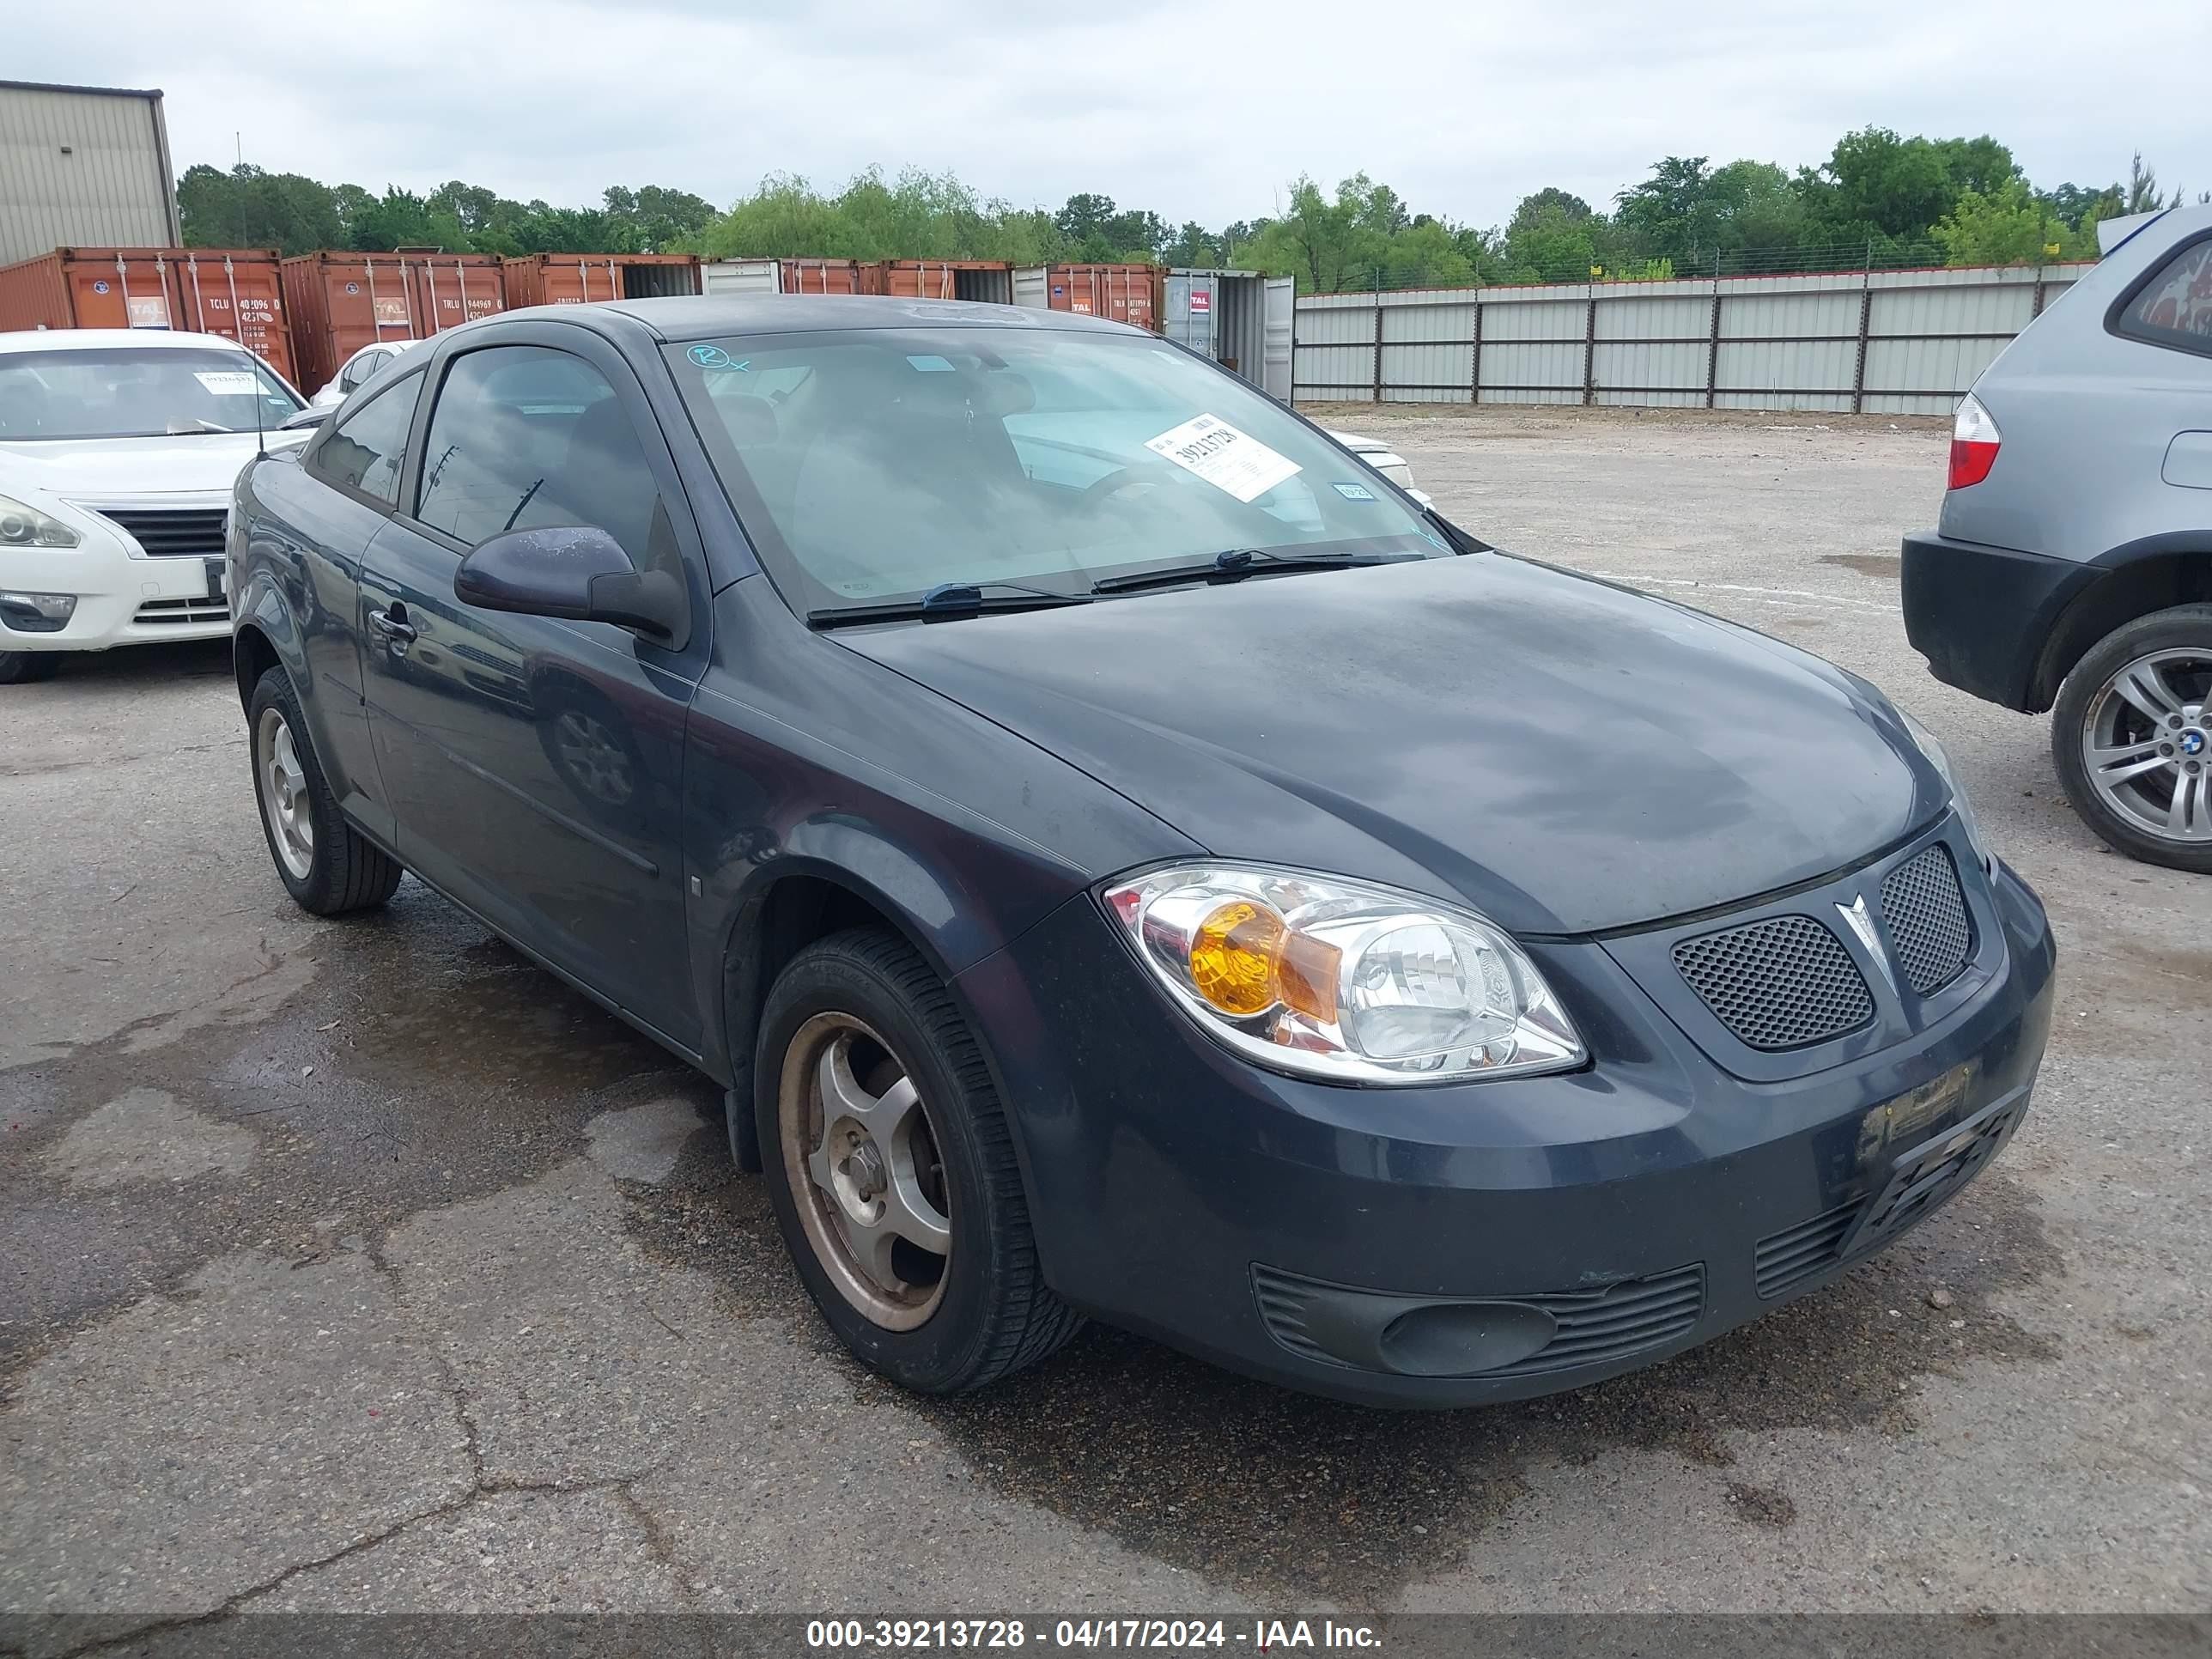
123,596
1542,1232
1983,615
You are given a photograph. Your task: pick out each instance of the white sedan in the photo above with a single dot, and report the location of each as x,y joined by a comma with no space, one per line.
1383,458
117,450
359,367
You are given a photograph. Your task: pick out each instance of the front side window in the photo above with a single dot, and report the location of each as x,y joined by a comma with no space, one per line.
2174,308
526,438
364,451
136,392
903,459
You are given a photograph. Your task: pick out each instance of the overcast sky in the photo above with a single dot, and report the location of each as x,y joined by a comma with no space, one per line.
1199,109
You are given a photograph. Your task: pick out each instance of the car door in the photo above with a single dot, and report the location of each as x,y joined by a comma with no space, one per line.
350,489
535,764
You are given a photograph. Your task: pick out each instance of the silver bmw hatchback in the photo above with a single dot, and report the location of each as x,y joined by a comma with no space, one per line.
2072,567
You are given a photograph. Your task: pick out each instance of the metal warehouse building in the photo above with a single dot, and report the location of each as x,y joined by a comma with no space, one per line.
84,167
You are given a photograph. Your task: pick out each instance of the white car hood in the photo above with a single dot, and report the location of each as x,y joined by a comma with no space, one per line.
103,468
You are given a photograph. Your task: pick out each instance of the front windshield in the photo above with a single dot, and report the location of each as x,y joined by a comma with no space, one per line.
135,391
871,465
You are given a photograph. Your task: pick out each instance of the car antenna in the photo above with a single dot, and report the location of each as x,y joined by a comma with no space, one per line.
260,445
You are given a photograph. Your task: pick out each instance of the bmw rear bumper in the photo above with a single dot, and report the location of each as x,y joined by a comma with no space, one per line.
1983,615
1491,1241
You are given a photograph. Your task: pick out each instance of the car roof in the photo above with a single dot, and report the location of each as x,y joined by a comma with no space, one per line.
706,316
89,339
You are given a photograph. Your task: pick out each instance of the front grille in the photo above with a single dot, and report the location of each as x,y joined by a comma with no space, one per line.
1593,1327
1797,1254
1785,982
1927,917
170,612
173,532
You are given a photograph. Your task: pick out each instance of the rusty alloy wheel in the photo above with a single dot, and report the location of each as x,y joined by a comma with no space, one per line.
860,1156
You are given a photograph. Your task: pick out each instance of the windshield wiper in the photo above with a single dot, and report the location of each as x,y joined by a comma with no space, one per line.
1234,564
947,599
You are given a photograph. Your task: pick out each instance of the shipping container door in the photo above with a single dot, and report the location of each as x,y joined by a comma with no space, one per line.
1192,311
120,293
1280,314
741,277
1031,286
577,282
450,294
239,300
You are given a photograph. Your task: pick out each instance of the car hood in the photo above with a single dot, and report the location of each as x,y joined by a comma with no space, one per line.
104,467
1566,755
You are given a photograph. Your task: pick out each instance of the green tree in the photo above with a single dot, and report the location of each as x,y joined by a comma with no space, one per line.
2009,226
1671,212
245,207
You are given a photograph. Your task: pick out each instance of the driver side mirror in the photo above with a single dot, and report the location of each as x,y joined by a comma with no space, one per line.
305,420
576,572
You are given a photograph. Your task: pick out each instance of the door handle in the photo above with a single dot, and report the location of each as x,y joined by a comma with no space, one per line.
391,627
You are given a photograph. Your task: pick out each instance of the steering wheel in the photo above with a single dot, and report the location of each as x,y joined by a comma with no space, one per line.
1099,491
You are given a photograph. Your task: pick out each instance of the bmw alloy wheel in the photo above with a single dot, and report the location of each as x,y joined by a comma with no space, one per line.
2147,745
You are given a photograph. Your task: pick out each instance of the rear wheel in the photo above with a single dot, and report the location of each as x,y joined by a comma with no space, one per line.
892,1172
2132,737
325,863
23,667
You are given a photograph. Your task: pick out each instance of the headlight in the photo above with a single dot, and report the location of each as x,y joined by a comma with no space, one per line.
23,525
1343,980
1940,758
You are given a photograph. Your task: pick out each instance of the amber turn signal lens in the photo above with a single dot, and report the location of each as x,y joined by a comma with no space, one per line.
1244,960
1233,957
1305,976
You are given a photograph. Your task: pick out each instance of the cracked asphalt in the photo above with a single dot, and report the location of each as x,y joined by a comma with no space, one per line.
362,1267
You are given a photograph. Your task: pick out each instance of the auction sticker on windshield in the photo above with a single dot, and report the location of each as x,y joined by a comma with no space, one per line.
228,382
1225,457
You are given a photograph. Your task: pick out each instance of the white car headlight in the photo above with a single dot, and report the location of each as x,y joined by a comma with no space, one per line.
1940,758
1343,980
23,525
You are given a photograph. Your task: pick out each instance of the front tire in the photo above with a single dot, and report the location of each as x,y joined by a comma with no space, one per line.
27,667
326,865
2132,739
891,1171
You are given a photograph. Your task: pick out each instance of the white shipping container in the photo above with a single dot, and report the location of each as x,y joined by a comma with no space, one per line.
740,275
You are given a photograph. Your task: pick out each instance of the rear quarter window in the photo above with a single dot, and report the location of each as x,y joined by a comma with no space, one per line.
2173,307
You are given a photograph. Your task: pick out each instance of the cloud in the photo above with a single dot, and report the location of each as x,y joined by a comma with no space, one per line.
1200,110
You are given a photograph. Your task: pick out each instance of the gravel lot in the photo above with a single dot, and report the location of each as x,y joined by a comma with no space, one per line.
362,1266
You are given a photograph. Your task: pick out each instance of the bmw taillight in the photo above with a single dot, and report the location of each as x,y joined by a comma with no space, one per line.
1974,440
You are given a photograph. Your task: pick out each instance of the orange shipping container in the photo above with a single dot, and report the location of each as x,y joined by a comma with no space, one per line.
831,276
1124,293
341,301
236,292
991,280
569,279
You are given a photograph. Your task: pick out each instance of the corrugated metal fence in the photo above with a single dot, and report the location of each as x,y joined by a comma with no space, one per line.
1877,342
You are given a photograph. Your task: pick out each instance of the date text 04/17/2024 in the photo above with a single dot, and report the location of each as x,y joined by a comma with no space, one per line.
1258,1635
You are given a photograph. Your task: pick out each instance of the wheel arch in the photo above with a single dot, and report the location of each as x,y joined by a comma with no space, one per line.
2140,578
797,901
252,655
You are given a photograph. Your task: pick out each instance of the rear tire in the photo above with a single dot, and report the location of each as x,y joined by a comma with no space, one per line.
2132,739
936,1322
326,865
27,667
